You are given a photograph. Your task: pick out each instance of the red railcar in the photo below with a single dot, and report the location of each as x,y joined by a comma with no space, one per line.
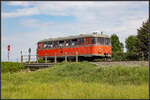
86,45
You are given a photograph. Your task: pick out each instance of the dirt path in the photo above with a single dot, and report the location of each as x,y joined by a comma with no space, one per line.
125,63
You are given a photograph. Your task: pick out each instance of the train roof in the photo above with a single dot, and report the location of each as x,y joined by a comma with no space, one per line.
94,34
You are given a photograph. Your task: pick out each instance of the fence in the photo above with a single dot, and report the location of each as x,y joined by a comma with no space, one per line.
28,57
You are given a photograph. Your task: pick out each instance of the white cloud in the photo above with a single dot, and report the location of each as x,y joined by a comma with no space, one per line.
68,8
19,3
21,12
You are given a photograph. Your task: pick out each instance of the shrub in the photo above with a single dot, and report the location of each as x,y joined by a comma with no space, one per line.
118,56
41,60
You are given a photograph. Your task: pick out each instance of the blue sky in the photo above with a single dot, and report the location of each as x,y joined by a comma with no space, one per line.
25,23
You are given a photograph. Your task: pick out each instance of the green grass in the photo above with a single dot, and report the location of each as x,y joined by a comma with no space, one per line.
78,80
11,67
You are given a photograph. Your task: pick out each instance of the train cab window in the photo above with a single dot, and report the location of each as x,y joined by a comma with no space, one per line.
74,42
68,42
44,45
50,45
94,40
107,41
55,44
101,40
80,41
61,43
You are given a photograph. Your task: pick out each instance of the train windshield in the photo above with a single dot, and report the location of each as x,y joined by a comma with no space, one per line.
107,41
40,45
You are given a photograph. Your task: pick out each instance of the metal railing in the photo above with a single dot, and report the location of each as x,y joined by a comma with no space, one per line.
45,56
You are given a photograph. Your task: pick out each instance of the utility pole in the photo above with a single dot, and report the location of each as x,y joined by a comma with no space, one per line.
21,57
8,52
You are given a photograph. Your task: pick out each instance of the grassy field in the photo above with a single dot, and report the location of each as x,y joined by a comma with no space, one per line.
82,80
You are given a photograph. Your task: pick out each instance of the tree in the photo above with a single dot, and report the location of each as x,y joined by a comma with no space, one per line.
142,40
117,48
131,47
116,44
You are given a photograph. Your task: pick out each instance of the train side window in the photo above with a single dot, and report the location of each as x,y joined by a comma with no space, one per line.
107,41
50,45
101,40
61,43
82,41
68,42
79,41
55,44
74,42
89,40
94,40
44,45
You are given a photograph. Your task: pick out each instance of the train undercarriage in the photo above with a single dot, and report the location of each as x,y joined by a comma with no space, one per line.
80,58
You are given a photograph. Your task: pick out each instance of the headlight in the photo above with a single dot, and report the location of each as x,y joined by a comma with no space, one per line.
99,50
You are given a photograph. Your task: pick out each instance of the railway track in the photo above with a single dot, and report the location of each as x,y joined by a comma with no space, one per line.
34,66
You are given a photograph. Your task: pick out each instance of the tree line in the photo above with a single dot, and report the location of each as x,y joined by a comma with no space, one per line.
136,45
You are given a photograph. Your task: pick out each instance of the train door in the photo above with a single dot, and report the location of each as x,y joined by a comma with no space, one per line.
86,45
61,45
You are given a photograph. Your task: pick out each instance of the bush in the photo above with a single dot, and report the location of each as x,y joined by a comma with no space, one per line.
41,61
118,56
131,56
11,67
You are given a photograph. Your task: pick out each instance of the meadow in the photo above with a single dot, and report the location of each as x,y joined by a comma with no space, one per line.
76,81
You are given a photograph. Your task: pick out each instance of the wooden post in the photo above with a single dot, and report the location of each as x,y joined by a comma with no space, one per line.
65,56
76,56
55,58
45,58
29,56
21,58
36,58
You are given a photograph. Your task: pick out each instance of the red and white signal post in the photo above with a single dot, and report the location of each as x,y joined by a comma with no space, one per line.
8,51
